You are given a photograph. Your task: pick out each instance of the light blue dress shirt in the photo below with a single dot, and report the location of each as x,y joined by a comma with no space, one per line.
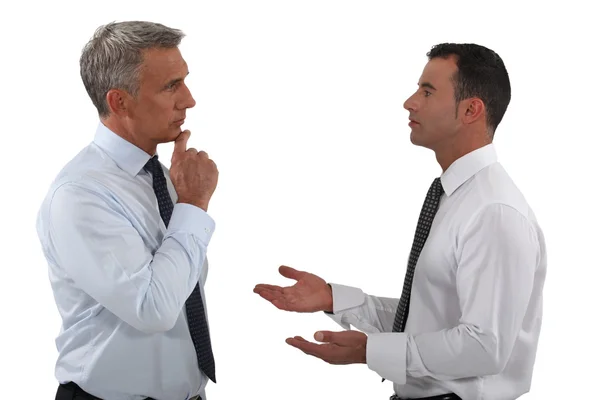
120,277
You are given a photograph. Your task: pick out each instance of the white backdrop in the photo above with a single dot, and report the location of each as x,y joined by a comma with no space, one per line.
300,105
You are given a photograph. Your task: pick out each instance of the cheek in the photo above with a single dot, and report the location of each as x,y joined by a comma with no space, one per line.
145,111
446,115
438,120
156,105
160,114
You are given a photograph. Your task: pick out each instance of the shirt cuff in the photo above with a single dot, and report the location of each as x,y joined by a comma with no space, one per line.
346,297
192,219
386,355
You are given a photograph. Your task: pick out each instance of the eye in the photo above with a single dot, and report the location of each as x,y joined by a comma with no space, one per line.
427,93
172,86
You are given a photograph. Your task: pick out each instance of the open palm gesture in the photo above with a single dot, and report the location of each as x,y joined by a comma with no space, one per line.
309,294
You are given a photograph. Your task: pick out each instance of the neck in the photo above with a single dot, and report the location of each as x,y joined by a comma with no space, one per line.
122,129
462,144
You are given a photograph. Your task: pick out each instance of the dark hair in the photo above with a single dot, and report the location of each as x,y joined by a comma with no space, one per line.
481,73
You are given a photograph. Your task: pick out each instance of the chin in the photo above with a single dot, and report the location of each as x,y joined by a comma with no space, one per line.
167,136
417,140
414,139
173,132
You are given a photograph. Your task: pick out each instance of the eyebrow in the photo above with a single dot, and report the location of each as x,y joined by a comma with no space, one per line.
174,81
427,85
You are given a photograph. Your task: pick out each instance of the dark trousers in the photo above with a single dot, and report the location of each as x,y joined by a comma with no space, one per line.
70,391
449,396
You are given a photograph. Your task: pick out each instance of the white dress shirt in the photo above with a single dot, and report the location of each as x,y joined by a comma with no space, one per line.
476,302
120,278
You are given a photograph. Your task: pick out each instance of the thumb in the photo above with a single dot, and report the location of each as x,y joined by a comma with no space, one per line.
345,338
181,142
290,272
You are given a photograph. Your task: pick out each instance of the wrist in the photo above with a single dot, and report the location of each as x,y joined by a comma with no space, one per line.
363,353
329,304
203,204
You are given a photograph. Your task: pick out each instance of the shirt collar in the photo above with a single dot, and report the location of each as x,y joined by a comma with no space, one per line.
467,166
126,155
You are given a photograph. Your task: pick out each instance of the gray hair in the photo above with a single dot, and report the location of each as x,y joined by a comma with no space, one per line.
113,57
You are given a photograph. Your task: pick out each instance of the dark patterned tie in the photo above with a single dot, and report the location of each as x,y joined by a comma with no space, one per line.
194,306
428,211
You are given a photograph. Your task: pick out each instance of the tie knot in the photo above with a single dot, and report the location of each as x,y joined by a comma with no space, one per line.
436,189
153,165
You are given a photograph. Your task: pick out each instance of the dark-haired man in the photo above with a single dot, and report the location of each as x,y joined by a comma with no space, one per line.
469,316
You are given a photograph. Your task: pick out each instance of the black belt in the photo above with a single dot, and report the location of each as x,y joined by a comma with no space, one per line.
73,390
449,396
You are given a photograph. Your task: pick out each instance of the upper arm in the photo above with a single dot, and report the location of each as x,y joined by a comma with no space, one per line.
105,256
497,259
93,241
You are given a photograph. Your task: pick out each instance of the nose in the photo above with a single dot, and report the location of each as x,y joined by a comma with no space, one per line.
187,100
410,104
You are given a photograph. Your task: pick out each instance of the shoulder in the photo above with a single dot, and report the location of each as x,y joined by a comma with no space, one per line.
493,191
492,205
85,177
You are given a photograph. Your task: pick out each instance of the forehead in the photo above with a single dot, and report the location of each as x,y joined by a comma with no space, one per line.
162,65
439,71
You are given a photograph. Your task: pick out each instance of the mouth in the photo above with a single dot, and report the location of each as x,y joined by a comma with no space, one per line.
179,121
412,122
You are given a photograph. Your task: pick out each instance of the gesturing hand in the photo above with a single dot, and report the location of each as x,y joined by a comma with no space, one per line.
309,294
347,347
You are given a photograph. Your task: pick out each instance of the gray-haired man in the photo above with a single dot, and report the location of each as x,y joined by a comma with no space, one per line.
125,238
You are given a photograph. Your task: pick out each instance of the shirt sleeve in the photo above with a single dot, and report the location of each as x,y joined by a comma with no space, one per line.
105,256
497,259
368,313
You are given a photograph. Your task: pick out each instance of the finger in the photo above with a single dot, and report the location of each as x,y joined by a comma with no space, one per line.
324,336
300,343
290,272
295,338
181,141
192,150
203,154
278,300
264,286
309,348
270,295
272,292
344,338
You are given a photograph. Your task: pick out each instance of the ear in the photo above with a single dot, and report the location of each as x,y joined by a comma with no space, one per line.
118,101
473,111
